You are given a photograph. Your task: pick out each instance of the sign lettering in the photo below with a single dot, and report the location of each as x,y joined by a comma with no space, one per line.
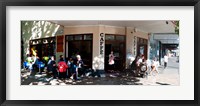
101,43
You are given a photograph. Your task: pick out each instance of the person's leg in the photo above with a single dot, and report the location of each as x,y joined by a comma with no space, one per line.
60,75
137,70
156,69
64,75
79,72
148,70
152,70
164,64
83,70
113,67
67,73
76,75
53,73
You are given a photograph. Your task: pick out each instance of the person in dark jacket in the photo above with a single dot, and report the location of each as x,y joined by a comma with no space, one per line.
61,58
51,67
73,69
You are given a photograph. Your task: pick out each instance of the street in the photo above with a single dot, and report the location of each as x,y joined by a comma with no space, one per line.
167,76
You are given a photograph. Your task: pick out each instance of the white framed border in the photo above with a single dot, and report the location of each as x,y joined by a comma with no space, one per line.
15,14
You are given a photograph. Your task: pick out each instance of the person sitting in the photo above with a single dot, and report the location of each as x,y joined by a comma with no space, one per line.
140,60
154,66
51,67
61,58
62,68
134,63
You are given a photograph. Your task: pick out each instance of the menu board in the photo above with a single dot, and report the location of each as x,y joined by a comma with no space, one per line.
59,43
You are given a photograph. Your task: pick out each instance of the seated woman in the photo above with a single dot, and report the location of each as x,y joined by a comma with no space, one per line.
154,66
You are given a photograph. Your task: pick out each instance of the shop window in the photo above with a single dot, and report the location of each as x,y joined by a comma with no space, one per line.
87,37
69,38
44,46
120,38
110,37
78,37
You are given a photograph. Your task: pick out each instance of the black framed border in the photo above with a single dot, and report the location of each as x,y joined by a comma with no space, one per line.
5,3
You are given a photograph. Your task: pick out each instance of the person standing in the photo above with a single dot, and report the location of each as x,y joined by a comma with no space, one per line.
68,62
165,60
35,65
80,67
73,69
111,61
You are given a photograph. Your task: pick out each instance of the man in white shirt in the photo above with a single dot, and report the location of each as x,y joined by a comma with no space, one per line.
165,60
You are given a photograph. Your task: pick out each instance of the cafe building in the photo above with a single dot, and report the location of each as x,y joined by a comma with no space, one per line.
94,40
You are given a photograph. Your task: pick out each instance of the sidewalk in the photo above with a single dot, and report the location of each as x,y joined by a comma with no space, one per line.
116,78
168,76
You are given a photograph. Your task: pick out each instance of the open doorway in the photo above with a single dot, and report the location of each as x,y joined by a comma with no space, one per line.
115,43
80,44
142,47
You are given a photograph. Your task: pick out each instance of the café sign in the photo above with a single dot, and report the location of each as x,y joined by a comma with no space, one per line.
102,41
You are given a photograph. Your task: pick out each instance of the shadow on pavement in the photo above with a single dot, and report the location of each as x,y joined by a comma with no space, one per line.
162,83
115,78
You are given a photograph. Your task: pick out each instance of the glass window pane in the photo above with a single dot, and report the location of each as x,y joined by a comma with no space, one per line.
119,37
110,37
87,37
69,37
78,37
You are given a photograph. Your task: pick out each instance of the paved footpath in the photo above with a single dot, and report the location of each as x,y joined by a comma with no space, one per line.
167,76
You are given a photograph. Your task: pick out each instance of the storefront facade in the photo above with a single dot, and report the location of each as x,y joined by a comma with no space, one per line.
94,44
92,40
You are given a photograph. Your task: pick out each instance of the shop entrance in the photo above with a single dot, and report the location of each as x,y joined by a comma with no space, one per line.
115,43
82,45
142,47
